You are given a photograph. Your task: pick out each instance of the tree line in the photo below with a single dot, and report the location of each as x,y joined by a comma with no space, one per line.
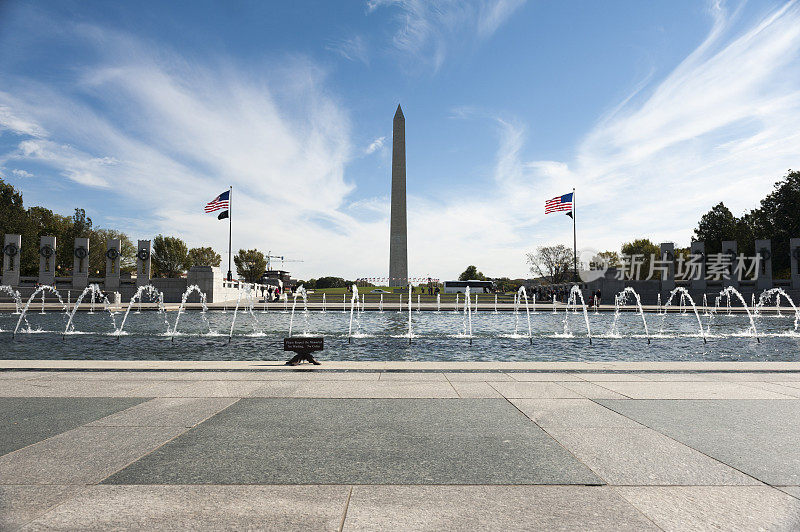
777,218
170,255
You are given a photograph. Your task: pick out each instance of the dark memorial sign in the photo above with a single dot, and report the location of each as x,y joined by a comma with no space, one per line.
303,346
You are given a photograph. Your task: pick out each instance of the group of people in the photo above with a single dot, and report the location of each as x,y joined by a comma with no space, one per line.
561,293
271,292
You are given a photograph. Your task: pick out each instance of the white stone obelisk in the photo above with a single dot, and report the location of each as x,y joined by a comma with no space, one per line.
398,248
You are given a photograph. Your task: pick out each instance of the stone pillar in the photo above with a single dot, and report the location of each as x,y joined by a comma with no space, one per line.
729,248
112,264
398,249
668,255
80,264
697,253
47,260
794,259
12,246
143,263
204,277
764,252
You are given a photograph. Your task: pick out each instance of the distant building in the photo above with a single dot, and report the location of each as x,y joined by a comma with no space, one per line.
271,277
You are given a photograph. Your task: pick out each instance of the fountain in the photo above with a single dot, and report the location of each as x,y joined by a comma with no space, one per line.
300,292
418,303
380,304
247,290
92,289
40,290
619,301
438,302
522,293
152,292
323,301
189,291
344,303
455,306
467,316
574,292
353,309
777,292
409,315
554,303
495,303
15,295
727,291
684,293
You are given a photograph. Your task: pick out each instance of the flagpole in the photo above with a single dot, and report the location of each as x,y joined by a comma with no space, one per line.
574,241
230,230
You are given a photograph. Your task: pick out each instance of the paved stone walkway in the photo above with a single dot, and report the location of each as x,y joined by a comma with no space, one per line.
436,446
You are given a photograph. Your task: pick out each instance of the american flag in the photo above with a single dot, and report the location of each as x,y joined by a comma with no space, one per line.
220,202
559,203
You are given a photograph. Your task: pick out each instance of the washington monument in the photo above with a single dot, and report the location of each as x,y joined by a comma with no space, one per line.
398,248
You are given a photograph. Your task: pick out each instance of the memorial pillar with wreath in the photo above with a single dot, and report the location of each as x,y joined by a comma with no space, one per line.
729,248
764,253
143,263
112,264
47,260
697,254
668,260
80,264
12,245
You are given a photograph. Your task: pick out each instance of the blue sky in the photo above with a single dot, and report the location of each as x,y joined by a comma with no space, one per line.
140,112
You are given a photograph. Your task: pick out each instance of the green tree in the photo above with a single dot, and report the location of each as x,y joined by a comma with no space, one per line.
552,263
778,219
169,256
250,265
716,225
646,248
12,211
504,284
204,256
98,247
471,274
610,258
13,218
330,282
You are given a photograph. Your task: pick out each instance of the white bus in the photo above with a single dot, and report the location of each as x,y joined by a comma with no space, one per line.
475,287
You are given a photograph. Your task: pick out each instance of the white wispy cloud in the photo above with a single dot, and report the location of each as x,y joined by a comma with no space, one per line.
170,133
720,126
428,30
375,145
17,172
352,48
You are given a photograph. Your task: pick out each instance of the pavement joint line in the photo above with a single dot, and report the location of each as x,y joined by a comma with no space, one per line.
144,400
761,482
187,429
786,492
86,487
346,506
630,503
753,386
603,479
609,389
